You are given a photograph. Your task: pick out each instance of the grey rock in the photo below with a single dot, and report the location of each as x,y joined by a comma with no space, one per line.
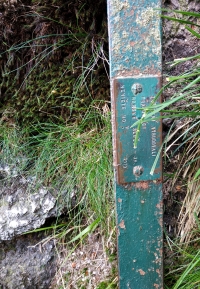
23,207
24,203
25,264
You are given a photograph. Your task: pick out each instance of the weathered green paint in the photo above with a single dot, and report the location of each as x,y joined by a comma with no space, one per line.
135,71
134,37
139,222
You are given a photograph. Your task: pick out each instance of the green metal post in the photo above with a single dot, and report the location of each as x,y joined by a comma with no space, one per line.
135,72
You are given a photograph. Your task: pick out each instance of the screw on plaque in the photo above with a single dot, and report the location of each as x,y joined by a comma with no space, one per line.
136,88
138,171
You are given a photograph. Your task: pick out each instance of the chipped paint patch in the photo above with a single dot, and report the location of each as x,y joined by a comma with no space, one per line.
160,221
122,225
136,37
159,205
156,285
147,16
119,200
119,5
142,273
142,185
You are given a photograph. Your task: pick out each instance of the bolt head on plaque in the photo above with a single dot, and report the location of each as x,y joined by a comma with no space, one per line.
138,171
136,88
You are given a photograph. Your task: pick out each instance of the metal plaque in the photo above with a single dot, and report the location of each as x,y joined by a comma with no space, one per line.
131,96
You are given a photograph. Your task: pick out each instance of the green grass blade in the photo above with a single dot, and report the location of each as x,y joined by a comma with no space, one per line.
180,60
197,15
197,174
156,159
196,217
179,20
184,76
193,32
156,109
86,231
53,227
195,262
191,83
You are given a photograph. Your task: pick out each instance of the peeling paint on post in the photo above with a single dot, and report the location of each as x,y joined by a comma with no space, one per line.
135,71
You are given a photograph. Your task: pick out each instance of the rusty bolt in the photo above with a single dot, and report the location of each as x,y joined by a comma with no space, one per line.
138,171
136,88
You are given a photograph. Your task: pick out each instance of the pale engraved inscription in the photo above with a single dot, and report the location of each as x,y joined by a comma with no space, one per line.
124,118
153,142
125,162
133,107
123,99
123,104
129,109
135,159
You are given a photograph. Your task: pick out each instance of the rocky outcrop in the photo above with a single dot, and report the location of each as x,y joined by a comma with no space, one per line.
26,263
24,204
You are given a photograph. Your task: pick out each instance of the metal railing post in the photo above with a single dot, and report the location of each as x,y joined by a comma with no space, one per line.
135,73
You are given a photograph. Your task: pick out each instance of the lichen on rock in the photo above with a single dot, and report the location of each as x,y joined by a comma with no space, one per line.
23,207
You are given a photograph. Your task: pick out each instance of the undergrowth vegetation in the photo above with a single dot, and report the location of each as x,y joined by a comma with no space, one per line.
53,66
61,157
55,96
55,111
55,122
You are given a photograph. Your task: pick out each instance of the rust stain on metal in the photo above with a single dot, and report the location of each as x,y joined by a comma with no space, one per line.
158,271
132,43
142,185
122,225
149,70
160,221
157,182
142,273
120,175
159,205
